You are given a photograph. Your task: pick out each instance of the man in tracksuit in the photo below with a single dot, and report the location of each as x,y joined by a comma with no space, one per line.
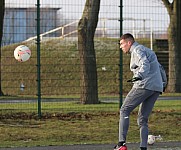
149,80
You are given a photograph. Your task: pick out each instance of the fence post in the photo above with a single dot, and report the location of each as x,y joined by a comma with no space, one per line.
120,60
38,59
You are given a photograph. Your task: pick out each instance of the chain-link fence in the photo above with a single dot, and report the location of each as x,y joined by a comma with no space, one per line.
59,55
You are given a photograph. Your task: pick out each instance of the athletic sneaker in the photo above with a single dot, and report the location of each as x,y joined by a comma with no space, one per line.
123,147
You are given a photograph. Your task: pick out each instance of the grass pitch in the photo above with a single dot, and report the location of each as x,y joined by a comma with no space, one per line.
84,124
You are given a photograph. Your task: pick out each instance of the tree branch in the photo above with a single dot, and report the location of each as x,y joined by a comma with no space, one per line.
168,5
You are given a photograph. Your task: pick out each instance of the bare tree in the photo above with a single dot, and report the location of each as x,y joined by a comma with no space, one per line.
86,31
174,40
2,8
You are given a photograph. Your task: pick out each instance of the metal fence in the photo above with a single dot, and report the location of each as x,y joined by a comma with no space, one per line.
59,56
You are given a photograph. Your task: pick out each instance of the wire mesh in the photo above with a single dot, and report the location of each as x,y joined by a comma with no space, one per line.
60,60
148,21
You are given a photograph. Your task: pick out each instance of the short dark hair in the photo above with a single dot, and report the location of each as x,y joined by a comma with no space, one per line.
127,36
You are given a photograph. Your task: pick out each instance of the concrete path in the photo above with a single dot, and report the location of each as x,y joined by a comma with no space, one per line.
131,146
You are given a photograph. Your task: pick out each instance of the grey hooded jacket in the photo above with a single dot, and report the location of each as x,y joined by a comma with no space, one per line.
144,64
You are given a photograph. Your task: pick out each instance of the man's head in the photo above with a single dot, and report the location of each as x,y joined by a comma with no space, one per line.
126,42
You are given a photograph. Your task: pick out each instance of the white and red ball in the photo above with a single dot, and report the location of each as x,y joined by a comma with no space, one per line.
22,53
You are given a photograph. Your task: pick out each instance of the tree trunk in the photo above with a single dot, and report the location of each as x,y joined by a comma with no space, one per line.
2,8
86,30
174,38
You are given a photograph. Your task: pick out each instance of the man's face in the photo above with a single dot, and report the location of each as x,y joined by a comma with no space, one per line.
125,45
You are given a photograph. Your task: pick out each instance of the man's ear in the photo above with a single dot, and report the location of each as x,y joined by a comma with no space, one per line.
129,42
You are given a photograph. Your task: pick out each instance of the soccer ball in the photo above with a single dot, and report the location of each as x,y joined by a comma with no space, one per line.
22,53
151,139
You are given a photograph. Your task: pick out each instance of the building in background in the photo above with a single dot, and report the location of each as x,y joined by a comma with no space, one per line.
20,23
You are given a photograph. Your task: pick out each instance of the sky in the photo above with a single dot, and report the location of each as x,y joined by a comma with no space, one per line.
67,6
147,14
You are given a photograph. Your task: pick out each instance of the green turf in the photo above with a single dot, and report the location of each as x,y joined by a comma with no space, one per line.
60,68
72,123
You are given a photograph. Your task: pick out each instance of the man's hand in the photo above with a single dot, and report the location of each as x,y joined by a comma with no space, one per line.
134,79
